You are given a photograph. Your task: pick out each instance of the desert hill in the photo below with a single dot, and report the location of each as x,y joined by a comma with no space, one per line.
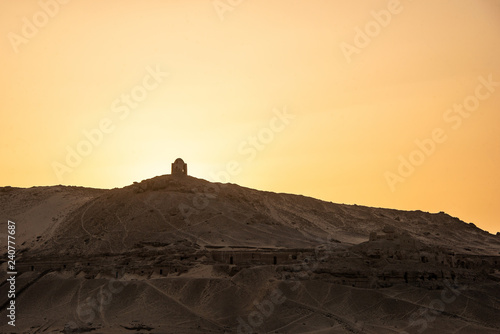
193,256
169,208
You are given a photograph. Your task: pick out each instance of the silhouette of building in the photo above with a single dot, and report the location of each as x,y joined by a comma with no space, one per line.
179,167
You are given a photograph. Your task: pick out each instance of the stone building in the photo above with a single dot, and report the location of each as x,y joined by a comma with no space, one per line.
179,167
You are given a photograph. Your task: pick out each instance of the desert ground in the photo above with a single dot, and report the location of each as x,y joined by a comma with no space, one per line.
177,254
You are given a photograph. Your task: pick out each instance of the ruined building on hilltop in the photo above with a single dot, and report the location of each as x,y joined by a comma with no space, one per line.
179,167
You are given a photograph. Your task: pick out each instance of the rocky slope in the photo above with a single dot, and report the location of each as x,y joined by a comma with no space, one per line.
176,254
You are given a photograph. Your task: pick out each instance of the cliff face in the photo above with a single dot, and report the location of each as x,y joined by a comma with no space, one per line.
185,255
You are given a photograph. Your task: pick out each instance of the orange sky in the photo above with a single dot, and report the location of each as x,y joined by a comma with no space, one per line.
321,98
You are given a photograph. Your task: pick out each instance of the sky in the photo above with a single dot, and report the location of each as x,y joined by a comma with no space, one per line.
389,104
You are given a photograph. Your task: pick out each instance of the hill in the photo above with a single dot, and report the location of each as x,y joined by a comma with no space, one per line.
177,254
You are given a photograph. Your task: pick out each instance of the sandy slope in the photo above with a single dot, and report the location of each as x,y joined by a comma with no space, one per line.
169,240
221,305
38,211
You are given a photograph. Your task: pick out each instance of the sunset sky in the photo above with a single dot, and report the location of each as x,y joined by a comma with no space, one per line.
381,103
